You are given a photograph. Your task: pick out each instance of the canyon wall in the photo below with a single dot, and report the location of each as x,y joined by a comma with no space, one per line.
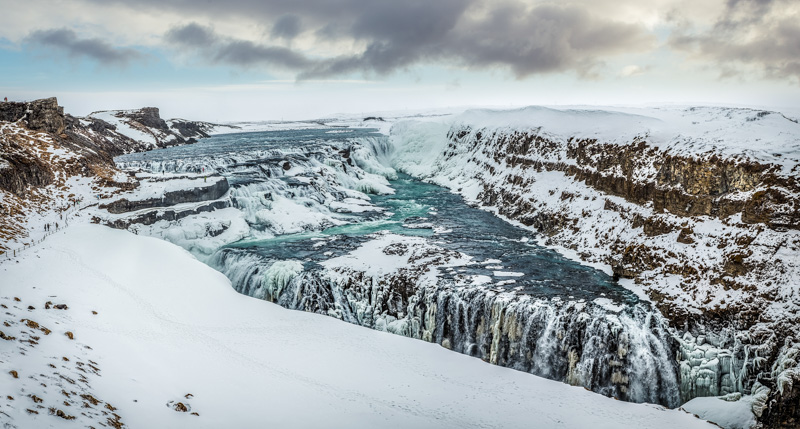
710,234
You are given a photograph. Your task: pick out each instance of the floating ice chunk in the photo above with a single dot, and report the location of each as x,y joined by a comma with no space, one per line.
480,280
608,305
507,274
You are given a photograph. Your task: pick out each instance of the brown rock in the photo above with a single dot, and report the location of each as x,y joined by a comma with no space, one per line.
685,236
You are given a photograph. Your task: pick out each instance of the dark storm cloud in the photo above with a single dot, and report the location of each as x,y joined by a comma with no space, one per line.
219,49
546,38
192,35
754,33
246,53
97,49
474,34
286,27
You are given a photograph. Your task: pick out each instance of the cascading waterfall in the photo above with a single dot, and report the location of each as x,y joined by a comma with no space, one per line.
627,355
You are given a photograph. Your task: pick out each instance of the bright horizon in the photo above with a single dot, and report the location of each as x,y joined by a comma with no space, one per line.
279,60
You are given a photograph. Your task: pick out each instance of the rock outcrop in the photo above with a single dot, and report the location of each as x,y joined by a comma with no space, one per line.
39,115
169,214
214,190
20,168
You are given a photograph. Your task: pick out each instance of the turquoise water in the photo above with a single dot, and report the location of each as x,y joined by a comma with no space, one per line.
468,229
438,214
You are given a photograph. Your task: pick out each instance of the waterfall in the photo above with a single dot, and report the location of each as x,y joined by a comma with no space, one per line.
626,354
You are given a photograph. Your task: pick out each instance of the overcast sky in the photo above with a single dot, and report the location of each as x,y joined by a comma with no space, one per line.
288,59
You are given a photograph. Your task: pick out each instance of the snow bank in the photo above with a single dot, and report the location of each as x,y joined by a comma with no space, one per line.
168,326
733,414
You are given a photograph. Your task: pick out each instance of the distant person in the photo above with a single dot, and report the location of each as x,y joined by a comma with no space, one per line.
5,99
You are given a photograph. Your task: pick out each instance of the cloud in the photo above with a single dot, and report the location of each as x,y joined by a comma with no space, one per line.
192,35
633,70
750,34
517,36
286,27
543,38
225,50
67,40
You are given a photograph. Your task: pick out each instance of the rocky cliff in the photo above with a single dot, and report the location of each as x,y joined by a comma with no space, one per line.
39,115
193,193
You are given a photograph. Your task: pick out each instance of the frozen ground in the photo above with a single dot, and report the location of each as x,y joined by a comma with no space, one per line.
169,329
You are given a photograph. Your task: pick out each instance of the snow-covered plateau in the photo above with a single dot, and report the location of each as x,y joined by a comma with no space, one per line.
649,255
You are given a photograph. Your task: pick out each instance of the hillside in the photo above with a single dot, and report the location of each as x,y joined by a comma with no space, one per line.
52,163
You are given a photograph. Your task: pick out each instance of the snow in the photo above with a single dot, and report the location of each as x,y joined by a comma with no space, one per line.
609,305
192,232
507,274
157,186
190,342
168,326
345,121
353,205
735,414
372,260
764,136
115,118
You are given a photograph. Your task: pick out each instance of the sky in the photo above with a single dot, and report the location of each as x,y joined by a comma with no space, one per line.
240,60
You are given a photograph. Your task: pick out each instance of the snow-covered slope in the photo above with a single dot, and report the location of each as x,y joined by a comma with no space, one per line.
153,327
44,180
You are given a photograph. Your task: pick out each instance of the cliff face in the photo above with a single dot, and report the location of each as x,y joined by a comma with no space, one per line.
20,167
40,115
666,197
